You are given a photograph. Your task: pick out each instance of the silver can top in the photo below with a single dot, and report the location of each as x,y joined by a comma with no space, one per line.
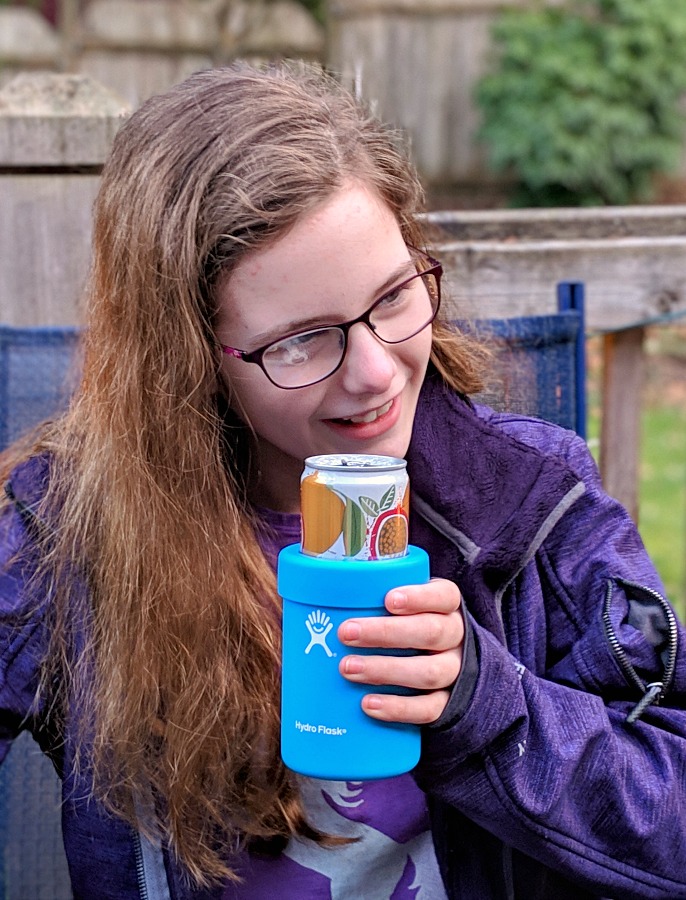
355,462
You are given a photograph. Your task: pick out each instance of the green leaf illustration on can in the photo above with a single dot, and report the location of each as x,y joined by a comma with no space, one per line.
369,506
354,528
388,499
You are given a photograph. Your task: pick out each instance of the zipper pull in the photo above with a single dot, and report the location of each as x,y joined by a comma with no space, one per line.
652,695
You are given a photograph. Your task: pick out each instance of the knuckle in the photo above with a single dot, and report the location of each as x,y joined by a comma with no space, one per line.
433,673
434,631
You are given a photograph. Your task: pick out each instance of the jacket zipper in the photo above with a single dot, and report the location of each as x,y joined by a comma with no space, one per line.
654,691
140,868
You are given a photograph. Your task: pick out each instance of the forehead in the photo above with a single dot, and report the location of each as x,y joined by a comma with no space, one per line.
330,264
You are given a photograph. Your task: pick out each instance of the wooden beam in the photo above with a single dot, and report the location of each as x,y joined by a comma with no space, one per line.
505,263
623,366
68,24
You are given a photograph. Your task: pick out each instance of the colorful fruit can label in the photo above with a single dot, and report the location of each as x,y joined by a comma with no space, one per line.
355,506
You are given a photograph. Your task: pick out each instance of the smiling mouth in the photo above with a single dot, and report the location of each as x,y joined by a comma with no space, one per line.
368,417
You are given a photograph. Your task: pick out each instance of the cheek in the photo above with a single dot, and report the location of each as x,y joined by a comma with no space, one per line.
418,353
253,403
266,408
247,389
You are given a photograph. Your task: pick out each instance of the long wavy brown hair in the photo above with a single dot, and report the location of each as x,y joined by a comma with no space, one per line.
178,684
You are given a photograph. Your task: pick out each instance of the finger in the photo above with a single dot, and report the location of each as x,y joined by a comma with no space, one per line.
422,710
438,595
426,672
423,631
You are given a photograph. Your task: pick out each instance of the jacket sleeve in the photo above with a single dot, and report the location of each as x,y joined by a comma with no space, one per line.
550,752
23,631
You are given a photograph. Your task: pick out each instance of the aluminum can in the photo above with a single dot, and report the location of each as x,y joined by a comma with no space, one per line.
355,506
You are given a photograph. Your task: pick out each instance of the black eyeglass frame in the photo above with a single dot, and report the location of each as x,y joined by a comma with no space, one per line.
256,356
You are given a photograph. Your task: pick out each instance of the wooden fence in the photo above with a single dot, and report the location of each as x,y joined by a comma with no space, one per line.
55,131
141,47
418,62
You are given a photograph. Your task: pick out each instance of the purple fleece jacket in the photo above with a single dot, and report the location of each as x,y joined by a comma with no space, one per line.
538,785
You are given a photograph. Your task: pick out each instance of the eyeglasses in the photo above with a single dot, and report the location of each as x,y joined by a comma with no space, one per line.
308,357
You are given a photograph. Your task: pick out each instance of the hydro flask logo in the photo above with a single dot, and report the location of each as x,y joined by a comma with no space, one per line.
319,625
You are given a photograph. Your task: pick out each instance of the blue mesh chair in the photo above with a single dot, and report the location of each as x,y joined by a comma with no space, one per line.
36,376
33,863
539,362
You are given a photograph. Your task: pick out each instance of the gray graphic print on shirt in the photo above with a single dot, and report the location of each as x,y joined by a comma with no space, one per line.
393,858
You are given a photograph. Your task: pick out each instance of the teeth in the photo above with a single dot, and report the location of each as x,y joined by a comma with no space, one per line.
371,416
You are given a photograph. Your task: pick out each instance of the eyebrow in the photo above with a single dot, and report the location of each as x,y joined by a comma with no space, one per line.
298,325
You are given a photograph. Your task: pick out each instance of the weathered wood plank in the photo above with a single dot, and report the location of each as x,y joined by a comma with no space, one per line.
562,223
623,367
53,120
629,281
507,263
418,71
45,231
55,132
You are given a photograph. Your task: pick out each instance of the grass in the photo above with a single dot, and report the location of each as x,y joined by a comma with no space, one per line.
662,500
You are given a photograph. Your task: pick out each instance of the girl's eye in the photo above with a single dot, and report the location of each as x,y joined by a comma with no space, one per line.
298,349
397,297
393,297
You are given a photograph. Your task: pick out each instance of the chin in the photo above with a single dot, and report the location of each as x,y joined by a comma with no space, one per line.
397,448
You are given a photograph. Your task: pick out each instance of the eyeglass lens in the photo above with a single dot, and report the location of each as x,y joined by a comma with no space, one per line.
313,355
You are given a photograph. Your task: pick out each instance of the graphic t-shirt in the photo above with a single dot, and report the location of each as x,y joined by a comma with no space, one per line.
393,857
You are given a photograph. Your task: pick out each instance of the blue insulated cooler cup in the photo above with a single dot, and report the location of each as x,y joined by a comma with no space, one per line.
324,732
354,551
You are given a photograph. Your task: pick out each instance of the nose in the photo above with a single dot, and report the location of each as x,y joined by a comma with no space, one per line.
369,365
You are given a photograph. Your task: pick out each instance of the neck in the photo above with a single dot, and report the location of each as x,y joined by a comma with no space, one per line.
279,501
274,481
273,476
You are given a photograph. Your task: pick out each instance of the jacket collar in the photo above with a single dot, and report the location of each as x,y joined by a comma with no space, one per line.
28,482
485,493
25,488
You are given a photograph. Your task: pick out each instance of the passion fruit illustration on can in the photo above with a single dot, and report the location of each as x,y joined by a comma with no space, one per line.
359,509
390,534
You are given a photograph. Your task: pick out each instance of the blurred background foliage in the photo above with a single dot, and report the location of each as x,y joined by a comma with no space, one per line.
582,104
316,7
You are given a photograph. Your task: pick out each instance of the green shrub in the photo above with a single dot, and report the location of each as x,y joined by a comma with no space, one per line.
582,104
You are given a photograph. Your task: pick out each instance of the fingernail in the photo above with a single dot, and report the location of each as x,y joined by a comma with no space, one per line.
398,600
352,665
350,631
373,701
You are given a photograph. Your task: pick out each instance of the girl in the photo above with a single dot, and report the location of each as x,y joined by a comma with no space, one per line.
260,292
